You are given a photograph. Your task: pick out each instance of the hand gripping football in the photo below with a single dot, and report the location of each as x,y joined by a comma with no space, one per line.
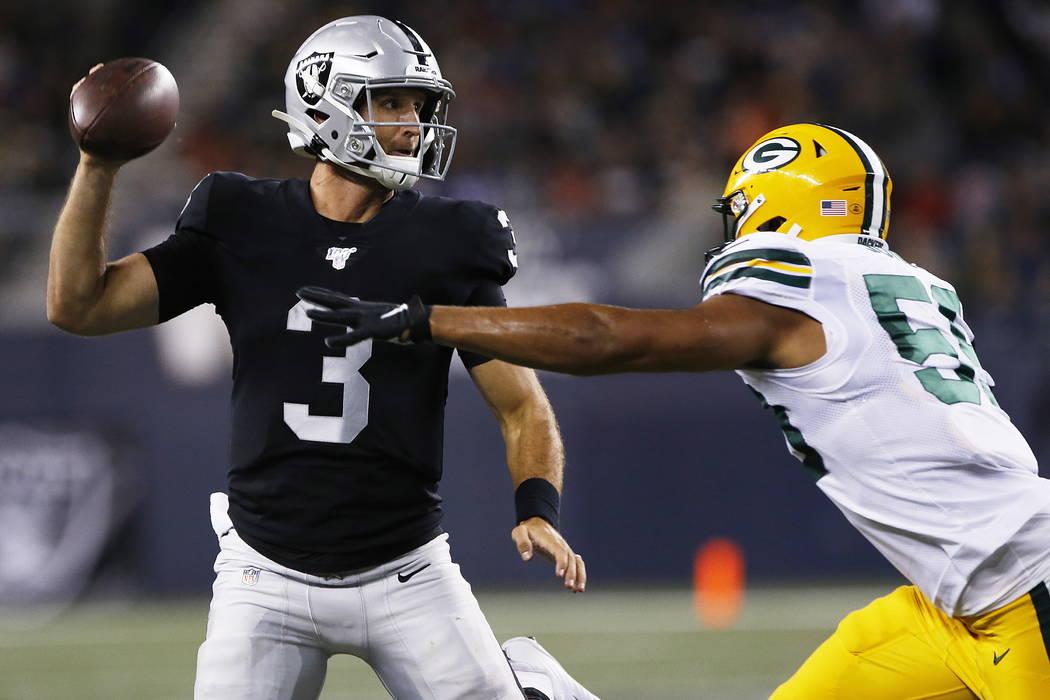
123,109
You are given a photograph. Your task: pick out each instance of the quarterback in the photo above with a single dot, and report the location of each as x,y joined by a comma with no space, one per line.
868,365
330,536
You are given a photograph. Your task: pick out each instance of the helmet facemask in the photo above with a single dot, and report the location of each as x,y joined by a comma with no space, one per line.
361,151
736,210
736,205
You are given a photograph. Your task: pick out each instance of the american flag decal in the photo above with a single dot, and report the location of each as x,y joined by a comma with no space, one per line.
833,207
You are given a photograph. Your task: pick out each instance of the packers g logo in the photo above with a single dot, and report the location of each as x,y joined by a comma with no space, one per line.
771,154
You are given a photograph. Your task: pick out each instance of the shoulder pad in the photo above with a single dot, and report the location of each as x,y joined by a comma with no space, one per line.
483,233
224,190
194,214
780,260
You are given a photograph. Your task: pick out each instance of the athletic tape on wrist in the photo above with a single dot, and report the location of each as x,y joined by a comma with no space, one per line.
537,498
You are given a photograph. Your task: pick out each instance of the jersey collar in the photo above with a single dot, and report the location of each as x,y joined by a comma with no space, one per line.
320,227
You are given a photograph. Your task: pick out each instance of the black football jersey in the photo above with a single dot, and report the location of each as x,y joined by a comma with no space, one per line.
335,454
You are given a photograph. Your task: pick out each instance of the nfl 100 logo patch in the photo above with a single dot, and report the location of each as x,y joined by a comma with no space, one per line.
250,576
339,256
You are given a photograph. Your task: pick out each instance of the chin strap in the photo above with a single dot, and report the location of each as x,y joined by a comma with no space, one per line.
316,144
715,251
395,181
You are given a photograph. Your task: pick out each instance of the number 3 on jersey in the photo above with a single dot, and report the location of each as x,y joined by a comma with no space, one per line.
886,293
337,370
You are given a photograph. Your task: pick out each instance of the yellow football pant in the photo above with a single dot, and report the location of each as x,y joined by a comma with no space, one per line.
901,647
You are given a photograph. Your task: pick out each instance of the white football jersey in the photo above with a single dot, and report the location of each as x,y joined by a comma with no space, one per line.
897,422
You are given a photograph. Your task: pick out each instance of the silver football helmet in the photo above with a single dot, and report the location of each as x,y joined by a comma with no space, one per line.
334,74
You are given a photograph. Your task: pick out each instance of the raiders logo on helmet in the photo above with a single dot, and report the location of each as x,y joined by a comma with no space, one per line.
771,154
311,76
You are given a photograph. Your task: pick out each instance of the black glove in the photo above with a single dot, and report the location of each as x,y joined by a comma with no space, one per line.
398,323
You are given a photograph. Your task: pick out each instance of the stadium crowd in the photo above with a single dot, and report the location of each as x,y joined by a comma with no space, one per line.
605,123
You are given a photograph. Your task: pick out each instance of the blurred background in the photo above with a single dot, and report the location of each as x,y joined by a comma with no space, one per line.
605,128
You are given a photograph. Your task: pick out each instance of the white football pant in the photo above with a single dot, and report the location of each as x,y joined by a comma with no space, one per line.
414,620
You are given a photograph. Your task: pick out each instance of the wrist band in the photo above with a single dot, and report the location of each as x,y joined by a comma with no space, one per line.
537,498
418,320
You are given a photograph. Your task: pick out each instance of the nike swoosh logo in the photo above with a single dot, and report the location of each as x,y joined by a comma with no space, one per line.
394,311
404,578
996,658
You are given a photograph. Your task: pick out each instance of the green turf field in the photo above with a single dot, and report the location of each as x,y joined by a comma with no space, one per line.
625,645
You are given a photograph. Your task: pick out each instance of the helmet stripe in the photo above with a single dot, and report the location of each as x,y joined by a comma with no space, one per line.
885,201
875,184
413,38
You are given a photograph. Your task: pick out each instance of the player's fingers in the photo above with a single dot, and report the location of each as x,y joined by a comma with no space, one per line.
322,296
345,340
523,541
562,558
570,572
337,341
581,575
330,317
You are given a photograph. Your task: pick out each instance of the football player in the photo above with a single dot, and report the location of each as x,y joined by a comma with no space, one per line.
330,539
869,368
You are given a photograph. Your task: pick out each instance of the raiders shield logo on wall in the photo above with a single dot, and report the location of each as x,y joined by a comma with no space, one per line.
311,76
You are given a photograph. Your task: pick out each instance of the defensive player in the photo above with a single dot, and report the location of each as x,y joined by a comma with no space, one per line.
870,370
331,541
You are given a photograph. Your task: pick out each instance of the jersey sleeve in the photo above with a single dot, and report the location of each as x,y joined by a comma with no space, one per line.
497,249
781,275
184,264
496,261
487,294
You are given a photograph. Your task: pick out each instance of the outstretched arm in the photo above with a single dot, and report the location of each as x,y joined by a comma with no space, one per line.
534,451
726,332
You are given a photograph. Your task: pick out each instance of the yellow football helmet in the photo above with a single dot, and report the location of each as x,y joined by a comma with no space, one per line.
809,181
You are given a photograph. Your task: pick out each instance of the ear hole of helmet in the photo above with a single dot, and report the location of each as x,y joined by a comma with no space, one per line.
820,150
772,224
318,116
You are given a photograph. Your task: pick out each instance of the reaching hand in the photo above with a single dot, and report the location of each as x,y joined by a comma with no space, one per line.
536,534
398,323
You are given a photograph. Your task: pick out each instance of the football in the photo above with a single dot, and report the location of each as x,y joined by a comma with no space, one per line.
124,108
